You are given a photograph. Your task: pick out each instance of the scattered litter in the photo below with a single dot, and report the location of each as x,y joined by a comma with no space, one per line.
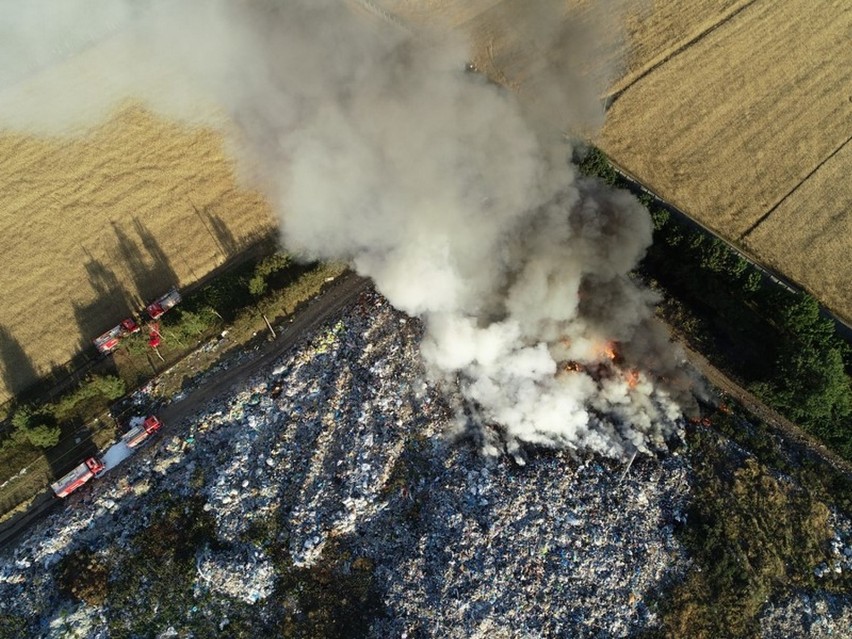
343,442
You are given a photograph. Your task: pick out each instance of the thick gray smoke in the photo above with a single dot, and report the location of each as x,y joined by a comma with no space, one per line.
376,147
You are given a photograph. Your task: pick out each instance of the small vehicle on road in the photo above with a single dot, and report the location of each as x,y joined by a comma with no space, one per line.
77,477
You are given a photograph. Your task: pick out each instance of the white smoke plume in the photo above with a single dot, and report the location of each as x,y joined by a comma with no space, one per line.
453,195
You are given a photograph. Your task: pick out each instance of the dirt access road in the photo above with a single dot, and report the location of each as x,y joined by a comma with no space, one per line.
790,433
343,291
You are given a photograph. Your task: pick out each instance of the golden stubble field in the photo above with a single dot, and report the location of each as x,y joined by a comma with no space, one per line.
745,130
808,236
93,228
737,111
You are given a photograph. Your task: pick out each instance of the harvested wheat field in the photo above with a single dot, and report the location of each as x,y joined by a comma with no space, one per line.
659,30
644,33
733,110
92,228
731,126
812,243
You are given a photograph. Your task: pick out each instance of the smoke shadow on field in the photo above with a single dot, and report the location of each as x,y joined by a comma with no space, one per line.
16,367
149,267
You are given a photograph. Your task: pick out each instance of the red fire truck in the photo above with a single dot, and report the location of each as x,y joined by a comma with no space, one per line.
141,432
77,477
108,342
162,304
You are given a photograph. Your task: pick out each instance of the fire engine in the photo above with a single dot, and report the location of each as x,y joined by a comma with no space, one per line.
77,477
108,342
162,304
96,466
141,432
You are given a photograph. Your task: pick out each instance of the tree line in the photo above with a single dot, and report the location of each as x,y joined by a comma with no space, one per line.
773,341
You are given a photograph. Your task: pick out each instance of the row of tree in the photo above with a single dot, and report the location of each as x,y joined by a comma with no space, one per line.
40,425
773,340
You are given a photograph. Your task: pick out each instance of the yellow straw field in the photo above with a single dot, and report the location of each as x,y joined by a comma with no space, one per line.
737,111
93,228
808,236
743,128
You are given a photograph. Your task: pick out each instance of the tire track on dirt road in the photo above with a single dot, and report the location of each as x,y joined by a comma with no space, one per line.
333,299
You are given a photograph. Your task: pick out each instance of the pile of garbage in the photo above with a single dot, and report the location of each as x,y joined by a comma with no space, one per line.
246,575
819,615
340,449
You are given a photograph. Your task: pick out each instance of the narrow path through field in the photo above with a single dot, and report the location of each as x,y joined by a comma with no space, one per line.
620,87
772,209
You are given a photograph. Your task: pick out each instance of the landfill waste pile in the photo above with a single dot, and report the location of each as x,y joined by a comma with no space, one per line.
323,495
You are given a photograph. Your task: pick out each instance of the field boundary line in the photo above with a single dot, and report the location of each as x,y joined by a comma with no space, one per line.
843,327
616,92
766,215
383,14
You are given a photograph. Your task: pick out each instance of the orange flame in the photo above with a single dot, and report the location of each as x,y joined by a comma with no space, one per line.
632,378
571,366
609,351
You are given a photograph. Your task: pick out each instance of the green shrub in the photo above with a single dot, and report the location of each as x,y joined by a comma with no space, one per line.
596,163
661,218
94,393
12,627
259,282
189,325
753,281
44,436
36,426
84,577
108,386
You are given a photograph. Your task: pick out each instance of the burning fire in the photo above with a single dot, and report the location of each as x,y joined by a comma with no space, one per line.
571,366
632,378
609,351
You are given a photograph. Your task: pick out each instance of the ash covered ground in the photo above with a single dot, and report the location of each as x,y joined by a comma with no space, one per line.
323,498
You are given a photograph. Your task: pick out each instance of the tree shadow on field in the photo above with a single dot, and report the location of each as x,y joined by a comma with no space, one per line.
224,238
149,266
109,307
75,446
18,371
161,271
